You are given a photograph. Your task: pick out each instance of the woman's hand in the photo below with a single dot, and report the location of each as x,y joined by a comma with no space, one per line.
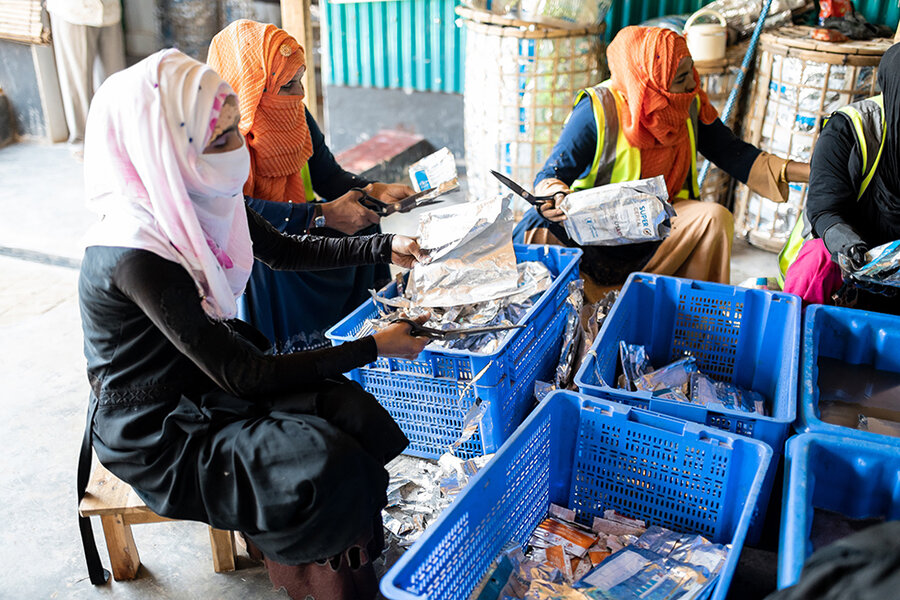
405,252
389,192
550,211
347,215
396,341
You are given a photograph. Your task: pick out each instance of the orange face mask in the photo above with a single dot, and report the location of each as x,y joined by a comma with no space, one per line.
256,60
643,62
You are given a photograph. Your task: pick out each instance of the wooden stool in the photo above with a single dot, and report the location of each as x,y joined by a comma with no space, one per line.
119,507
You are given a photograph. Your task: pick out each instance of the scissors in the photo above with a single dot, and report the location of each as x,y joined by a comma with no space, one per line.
520,191
383,209
418,330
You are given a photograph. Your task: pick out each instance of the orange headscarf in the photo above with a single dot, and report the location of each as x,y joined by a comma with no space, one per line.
642,63
256,60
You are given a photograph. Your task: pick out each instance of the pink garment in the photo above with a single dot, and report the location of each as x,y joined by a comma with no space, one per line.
813,275
147,177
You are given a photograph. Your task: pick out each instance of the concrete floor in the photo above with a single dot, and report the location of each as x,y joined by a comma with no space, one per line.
43,394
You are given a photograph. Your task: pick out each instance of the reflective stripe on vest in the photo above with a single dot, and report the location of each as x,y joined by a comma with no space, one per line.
615,158
867,117
307,183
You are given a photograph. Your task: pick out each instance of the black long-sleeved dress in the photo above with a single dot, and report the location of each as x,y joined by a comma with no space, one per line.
206,425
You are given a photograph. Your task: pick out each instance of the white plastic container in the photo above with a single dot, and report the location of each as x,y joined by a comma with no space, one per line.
706,41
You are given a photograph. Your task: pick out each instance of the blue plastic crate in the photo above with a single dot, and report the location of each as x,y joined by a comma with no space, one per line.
589,455
856,337
429,396
856,478
748,337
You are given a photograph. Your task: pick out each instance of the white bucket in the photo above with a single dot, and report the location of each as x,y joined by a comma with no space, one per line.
706,41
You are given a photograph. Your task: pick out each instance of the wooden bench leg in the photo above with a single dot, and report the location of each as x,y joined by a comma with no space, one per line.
223,551
123,554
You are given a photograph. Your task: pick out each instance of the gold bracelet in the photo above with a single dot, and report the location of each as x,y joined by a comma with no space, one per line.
782,177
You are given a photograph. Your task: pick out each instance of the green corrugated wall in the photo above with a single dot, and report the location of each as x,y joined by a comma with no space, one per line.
410,44
415,44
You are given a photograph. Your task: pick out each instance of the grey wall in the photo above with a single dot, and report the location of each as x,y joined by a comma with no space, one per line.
20,84
436,116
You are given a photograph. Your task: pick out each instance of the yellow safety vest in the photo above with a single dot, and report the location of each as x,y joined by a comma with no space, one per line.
307,183
616,159
867,117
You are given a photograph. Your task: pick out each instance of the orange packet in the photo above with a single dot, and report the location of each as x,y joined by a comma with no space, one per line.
555,532
556,556
597,557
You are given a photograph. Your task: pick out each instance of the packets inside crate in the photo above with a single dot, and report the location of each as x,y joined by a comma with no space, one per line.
627,560
682,381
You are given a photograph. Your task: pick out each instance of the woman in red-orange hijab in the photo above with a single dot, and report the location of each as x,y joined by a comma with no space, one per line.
290,167
654,100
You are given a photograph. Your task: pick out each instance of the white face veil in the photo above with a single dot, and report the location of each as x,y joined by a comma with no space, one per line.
154,189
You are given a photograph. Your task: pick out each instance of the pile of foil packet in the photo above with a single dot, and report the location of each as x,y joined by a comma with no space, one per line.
419,490
683,381
616,558
534,278
583,323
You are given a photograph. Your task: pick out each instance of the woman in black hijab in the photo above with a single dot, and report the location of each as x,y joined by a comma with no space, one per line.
850,211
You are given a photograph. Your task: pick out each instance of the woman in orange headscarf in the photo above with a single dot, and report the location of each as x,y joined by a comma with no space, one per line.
290,165
651,118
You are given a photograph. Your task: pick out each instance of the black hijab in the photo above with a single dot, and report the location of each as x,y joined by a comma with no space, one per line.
889,82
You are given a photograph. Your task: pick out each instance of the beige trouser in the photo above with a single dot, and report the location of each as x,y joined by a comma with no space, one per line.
77,49
699,246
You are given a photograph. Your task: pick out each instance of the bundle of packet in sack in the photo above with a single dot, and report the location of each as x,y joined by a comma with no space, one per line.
617,558
682,380
617,214
560,13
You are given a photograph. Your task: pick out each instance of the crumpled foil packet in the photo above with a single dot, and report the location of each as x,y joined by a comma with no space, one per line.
471,255
533,279
635,364
571,334
616,214
721,394
676,375
419,490
883,267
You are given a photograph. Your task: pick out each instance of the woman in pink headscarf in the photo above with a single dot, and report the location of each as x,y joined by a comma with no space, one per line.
188,405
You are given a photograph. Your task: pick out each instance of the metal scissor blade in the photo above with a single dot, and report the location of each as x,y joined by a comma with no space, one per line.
520,191
451,334
424,198
464,332
515,187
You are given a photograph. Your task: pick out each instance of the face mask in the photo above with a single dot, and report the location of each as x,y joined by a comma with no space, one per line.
224,173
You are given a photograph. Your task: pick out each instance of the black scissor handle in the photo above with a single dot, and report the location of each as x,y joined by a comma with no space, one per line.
374,204
419,330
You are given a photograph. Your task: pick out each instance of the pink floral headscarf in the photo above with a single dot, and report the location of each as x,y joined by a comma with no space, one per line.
147,176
